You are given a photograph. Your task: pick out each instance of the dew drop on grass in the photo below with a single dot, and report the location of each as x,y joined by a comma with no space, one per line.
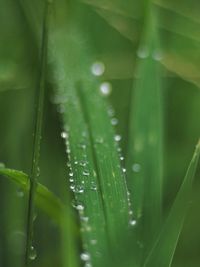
114,121
20,192
136,167
33,253
123,170
117,137
85,256
86,173
72,187
64,135
71,174
98,68
84,219
93,242
80,207
93,186
142,52
2,165
105,88
132,222
111,112
79,189
99,140
83,163
157,55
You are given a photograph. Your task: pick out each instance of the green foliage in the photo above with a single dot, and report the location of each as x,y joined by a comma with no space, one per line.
122,90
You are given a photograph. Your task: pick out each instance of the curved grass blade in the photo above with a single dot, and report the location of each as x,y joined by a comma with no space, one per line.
144,152
45,199
164,248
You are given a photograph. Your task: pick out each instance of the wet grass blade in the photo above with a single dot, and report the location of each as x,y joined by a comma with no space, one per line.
82,170
44,199
37,137
144,152
97,178
163,250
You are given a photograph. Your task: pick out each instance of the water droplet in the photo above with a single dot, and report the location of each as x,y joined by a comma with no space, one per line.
85,256
20,192
111,112
75,162
33,253
157,55
86,173
136,167
106,88
84,219
98,68
99,140
114,121
123,170
132,222
93,186
83,163
130,212
143,52
121,158
80,207
71,174
88,264
93,241
72,187
79,189
64,135
2,165
117,137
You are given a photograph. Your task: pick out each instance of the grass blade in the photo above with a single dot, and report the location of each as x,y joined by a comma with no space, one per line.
37,137
144,155
163,251
90,139
44,199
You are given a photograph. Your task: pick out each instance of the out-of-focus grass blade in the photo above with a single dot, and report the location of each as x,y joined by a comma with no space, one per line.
144,152
163,250
15,70
45,199
170,22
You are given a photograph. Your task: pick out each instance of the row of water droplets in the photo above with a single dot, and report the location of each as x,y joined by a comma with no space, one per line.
79,187
98,69
144,52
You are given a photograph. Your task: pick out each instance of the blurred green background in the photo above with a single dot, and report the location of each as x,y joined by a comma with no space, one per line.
112,30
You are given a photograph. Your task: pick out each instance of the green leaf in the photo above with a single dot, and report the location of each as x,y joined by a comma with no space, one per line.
98,181
45,199
180,44
163,250
144,152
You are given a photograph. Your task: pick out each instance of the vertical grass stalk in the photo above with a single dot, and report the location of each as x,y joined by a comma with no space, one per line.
37,138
